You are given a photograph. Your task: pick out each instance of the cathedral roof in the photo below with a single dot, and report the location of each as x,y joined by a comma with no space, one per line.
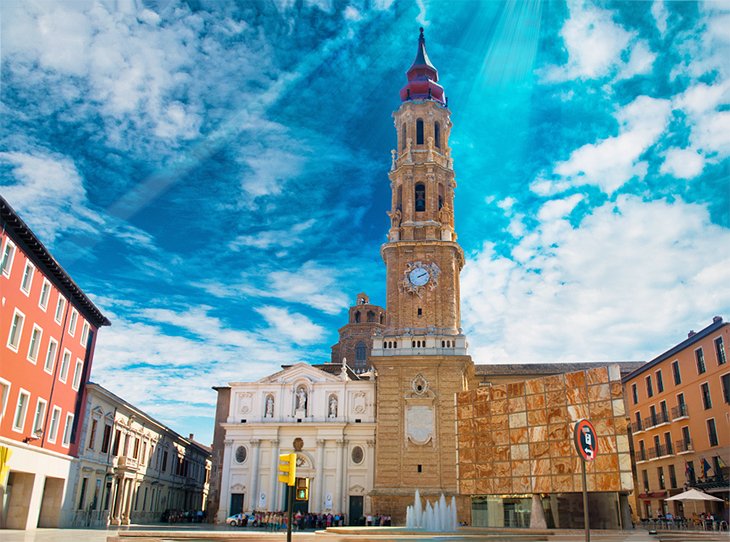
422,78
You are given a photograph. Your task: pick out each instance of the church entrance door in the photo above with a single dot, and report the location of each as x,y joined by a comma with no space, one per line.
236,503
355,509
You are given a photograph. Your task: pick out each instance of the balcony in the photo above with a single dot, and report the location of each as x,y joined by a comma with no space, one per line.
684,446
125,463
660,451
658,419
679,412
640,456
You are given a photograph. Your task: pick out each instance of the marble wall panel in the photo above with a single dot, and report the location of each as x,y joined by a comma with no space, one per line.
481,409
516,389
562,465
499,392
599,392
536,385
537,432
500,436
467,455
521,436
518,435
501,453
498,407
520,451
617,390
601,410
575,380
599,375
575,396
554,382
577,411
539,450
537,417
521,484
518,419
467,470
535,402
520,468
563,484
517,404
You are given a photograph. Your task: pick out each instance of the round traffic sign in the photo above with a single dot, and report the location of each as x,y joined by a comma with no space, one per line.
586,441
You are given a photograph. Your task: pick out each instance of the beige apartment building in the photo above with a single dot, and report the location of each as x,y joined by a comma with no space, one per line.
679,404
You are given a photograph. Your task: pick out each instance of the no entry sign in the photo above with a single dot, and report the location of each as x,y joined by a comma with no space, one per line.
585,440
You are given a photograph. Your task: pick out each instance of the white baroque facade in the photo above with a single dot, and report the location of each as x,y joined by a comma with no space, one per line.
331,409
130,467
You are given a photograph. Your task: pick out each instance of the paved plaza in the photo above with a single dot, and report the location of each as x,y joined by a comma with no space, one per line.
207,533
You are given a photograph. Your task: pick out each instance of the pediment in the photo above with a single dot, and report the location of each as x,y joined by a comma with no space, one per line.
298,373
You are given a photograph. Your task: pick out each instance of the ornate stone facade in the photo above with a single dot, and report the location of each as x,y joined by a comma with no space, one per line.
330,408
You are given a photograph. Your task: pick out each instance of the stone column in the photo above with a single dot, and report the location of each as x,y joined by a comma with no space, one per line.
370,460
537,514
118,496
319,470
128,501
337,501
273,502
225,489
253,501
344,481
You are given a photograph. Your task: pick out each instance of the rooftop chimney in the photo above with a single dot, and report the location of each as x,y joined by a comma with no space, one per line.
691,333
716,319
192,436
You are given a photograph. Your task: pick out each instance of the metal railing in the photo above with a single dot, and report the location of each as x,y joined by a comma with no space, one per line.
679,411
684,446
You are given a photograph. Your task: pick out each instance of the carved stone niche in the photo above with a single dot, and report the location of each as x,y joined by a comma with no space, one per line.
420,413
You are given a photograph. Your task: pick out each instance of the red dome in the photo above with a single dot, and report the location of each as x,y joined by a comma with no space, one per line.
422,77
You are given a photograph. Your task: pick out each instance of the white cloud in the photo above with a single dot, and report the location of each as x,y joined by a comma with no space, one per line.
631,275
133,65
595,45
291,325
611,162
49,194
266,239
682,163
660,14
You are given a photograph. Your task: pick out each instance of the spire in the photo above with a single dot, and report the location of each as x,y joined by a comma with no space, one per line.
422,77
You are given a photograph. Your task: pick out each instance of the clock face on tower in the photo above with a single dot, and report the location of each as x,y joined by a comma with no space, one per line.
419,276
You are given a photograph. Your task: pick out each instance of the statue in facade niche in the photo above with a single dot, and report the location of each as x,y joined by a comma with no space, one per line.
301,399
333,406
269,407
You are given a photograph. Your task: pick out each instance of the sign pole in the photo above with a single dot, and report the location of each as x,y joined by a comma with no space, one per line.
586,444
289,506
586,519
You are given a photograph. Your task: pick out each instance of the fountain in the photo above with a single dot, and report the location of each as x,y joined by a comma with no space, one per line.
440,517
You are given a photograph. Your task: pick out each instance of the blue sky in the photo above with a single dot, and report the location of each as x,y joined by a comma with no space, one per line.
214,175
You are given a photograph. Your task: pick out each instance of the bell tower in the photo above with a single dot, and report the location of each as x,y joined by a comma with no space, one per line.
420,356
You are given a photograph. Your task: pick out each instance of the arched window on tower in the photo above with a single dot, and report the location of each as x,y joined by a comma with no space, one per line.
357,317
399,198
437,135
403,137
420,197
382,318
441,196
419,132
361,354
371,316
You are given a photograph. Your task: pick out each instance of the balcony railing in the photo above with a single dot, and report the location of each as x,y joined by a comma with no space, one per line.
640,456
680,411
660,451
683,446
658,419
122,462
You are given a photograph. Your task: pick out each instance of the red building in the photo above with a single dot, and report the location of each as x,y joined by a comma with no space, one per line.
47,335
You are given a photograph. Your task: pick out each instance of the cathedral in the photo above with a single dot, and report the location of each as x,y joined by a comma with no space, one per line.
379,421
